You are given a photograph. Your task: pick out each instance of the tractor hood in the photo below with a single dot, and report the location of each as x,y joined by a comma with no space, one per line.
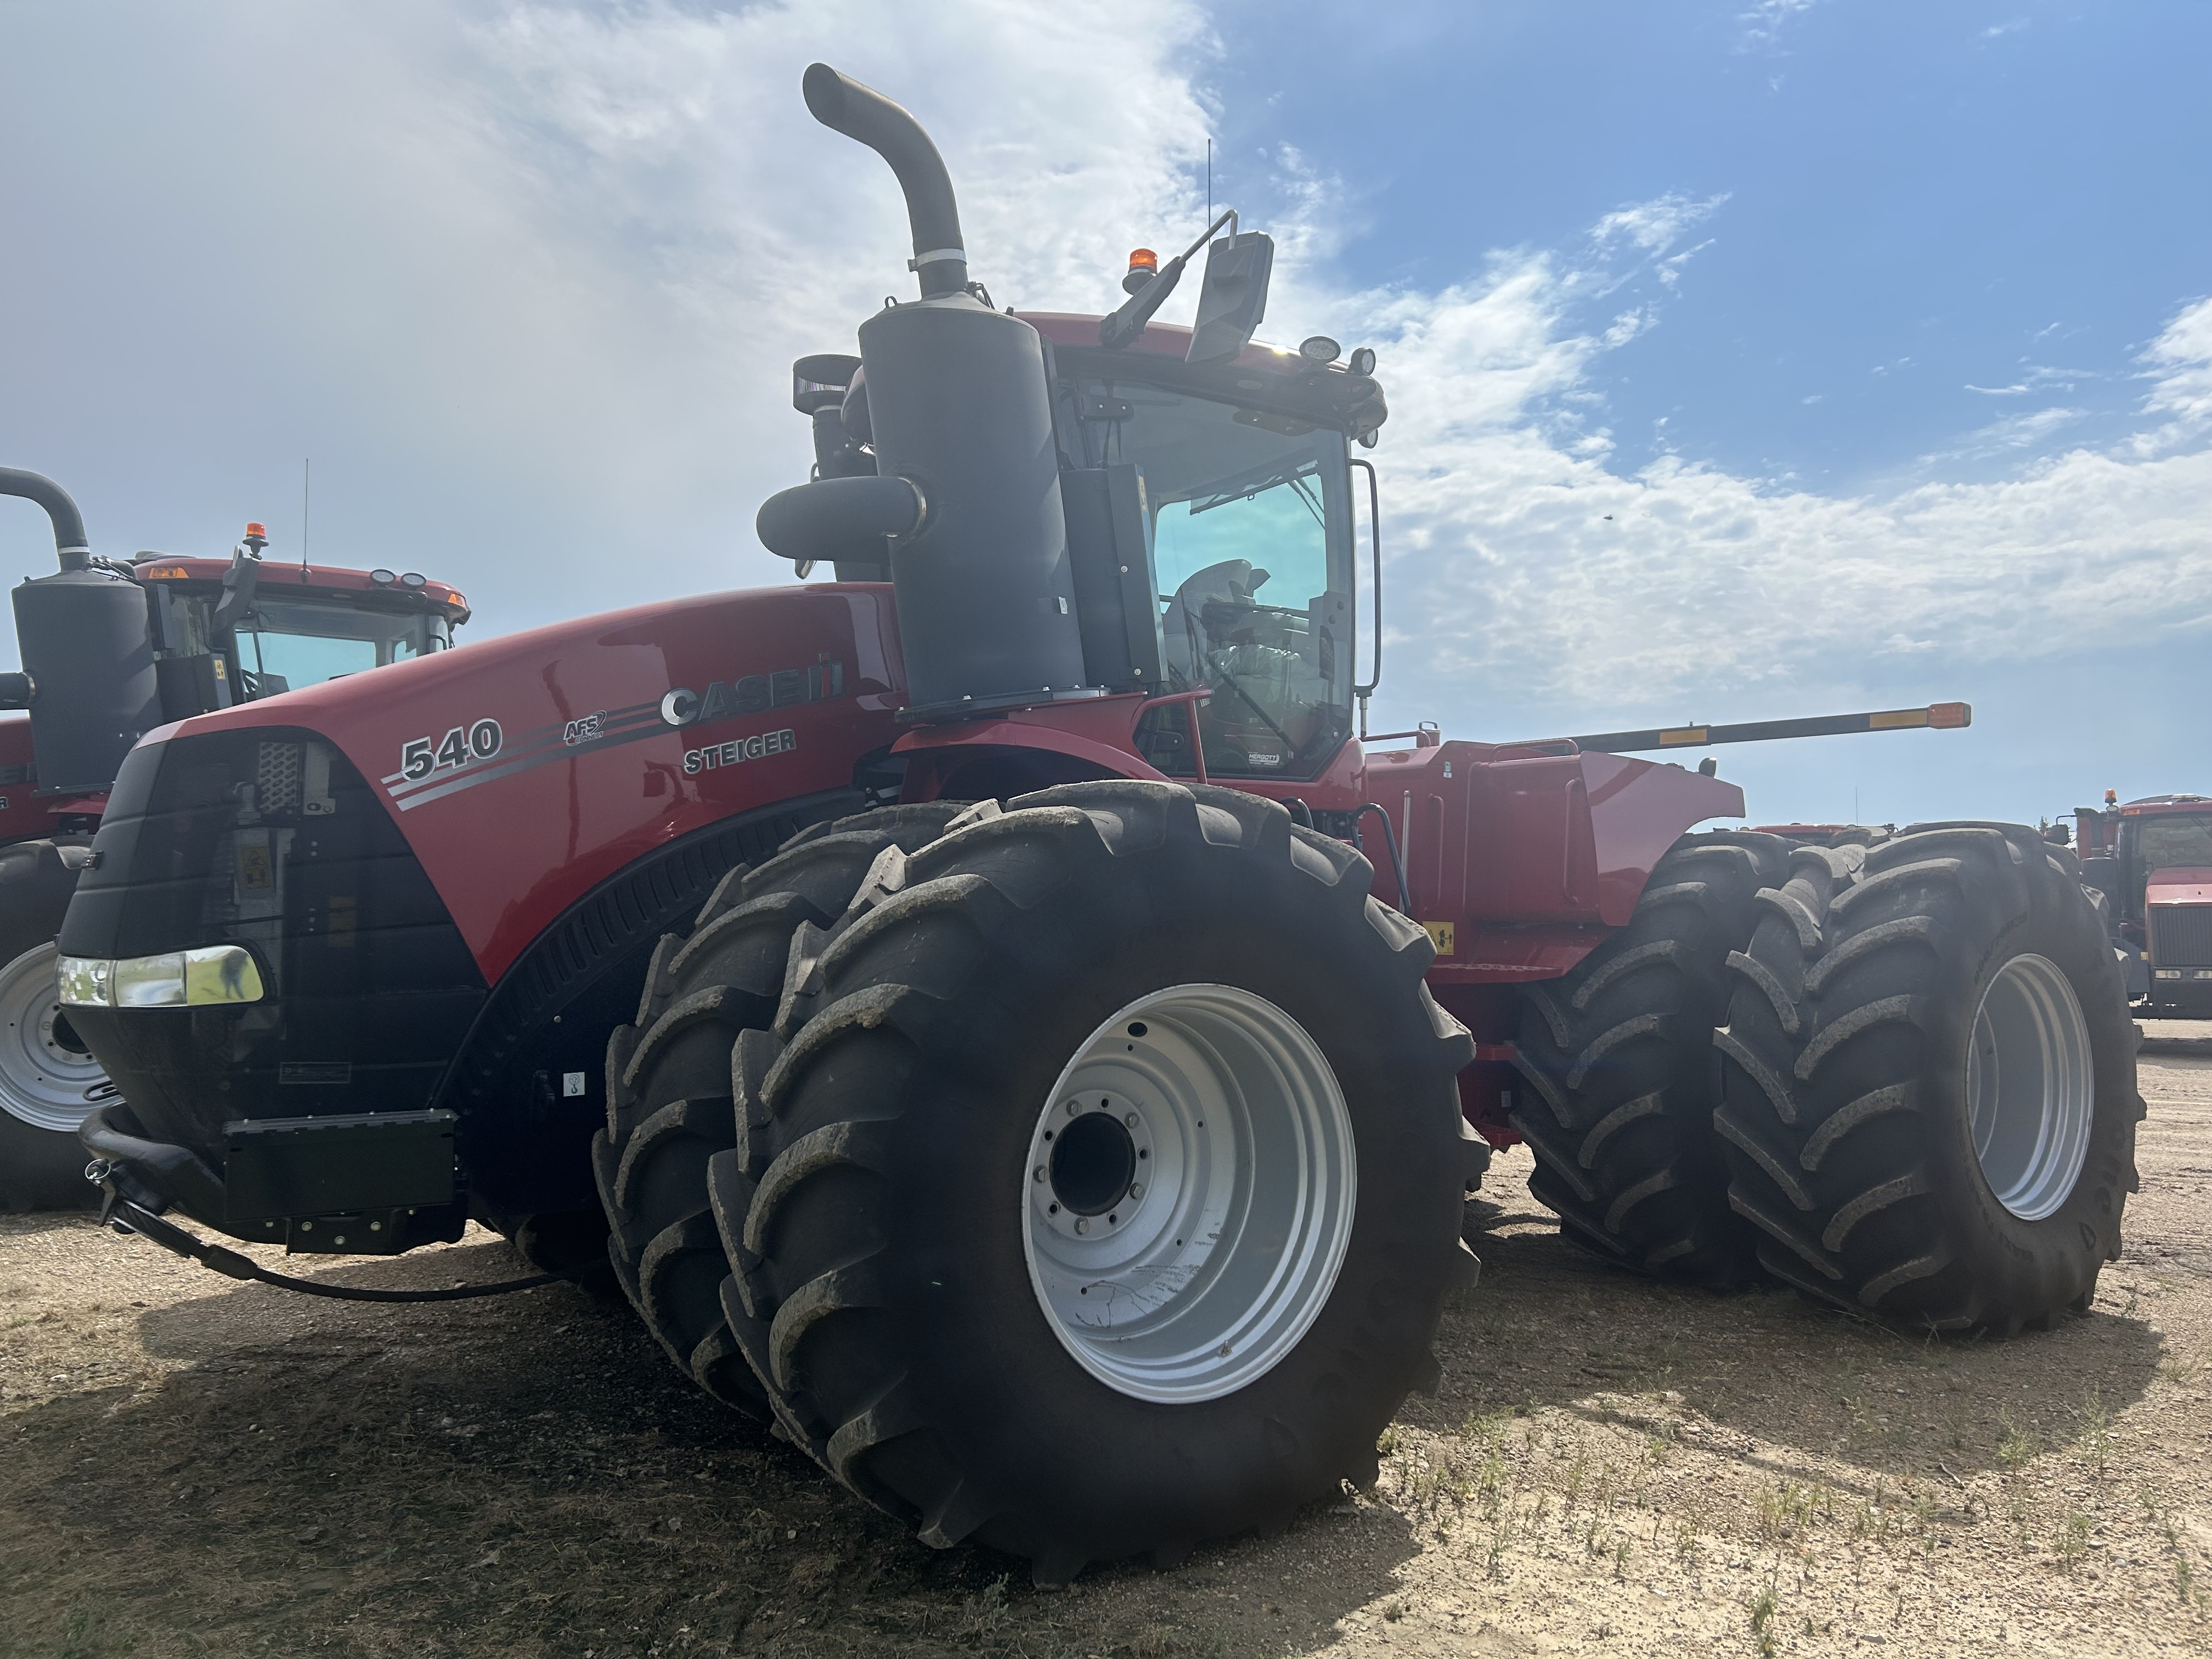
521,771
2182,884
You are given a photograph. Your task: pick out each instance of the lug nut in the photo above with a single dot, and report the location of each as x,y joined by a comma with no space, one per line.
1082,1226
1136,1189
1073,1107
1039,1177
1130,1118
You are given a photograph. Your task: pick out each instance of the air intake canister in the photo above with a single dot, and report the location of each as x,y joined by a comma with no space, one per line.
89,653
959,406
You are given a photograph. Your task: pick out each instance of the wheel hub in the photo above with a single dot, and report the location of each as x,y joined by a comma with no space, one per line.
2031,1087
1188,1194
1094,1160
47,1075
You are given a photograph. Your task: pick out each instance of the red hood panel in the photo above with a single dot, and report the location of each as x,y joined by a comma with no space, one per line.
526,769
2183,884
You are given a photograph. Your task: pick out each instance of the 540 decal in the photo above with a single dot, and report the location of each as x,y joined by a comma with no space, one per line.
420,757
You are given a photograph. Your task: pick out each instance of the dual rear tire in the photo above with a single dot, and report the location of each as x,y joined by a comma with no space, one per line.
1928,1087
1086,1184
1900,1078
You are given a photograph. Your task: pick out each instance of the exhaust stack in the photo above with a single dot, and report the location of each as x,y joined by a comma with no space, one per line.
69,524
843,105
959,409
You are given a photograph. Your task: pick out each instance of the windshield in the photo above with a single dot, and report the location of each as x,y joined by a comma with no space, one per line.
1251,526
2170,841
286,644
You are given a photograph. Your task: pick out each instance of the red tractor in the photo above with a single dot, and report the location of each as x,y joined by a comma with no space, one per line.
2151,861
958,996
111,650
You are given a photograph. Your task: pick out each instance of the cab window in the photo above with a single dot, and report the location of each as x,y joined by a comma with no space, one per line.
285,645
1251,526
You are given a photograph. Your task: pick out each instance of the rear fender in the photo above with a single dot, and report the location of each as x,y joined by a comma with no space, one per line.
1522,859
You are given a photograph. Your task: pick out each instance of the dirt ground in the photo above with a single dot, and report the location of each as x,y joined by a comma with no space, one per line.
191,1466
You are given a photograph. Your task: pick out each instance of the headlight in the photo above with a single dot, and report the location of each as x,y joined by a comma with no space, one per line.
2166,973
212,974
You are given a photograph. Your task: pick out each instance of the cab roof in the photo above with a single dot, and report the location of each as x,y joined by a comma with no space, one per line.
279,577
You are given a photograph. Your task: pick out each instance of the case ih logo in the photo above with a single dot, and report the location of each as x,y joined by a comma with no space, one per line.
753,694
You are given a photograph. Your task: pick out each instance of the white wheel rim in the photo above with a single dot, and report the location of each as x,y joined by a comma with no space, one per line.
47,1078
2031,1087
1197,1274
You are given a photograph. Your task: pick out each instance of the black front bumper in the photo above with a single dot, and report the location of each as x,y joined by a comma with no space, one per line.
364,1184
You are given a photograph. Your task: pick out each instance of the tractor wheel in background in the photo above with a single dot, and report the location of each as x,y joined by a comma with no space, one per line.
1929,1084
1105,1177
48,1078
1619,1060
669,1103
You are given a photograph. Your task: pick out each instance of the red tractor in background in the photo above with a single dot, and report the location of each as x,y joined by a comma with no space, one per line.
953,998
110,650
2152,861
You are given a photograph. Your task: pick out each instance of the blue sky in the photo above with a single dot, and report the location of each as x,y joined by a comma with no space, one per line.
1918,199
1746,359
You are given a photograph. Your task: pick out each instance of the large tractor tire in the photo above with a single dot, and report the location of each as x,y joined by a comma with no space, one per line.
1101,1175
670,1106
48,1078
1928,1085
1619,1060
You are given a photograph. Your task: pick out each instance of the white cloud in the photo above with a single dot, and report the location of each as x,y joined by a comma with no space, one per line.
531,282
2180,362
1703,584
1658,224
1764,22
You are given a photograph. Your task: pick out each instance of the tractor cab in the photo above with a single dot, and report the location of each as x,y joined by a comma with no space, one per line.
2152,859
113,649
251,628
1247,496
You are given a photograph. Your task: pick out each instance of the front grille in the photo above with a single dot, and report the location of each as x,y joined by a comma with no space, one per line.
269,838
2181,935
277,776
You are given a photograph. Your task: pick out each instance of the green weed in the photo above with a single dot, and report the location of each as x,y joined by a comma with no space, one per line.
1761,1609
2095,1438
2071,1541
2015,1445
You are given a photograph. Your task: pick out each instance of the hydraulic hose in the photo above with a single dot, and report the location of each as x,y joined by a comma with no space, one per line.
128,1217
1397,863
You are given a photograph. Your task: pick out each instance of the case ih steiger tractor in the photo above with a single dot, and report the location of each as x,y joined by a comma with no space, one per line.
110,650
957,988
2152,860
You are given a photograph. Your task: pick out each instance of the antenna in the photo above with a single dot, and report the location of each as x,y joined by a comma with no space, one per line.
1209,181
305,475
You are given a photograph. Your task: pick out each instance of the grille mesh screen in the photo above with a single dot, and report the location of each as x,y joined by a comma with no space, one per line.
2181,935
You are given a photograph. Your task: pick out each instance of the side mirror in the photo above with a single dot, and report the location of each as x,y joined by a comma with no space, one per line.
1235,297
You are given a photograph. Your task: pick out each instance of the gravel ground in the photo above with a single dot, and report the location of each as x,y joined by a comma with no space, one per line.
191,1466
